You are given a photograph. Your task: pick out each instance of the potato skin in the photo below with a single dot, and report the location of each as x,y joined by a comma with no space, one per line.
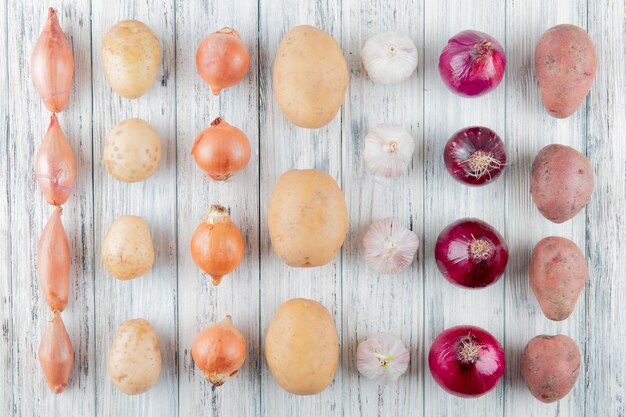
310,77
132,151
565,65
550,366
131,54
127,249
134,361
308,218
561,182
302,347
557,276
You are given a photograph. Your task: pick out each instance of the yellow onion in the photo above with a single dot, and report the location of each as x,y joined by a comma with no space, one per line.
56,355
53,262
52,65
55,166
219,351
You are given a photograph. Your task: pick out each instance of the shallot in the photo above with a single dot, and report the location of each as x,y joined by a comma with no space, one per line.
52,65
53,262
55,166
56,355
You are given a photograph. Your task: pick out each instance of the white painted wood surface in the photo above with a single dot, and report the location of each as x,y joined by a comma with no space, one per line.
418,304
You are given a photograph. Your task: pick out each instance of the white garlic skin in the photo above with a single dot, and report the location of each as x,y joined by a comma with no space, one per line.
389,247
388,150
382,357
389,57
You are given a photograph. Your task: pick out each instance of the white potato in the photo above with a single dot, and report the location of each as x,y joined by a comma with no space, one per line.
132,151
127,249
131,53
134,362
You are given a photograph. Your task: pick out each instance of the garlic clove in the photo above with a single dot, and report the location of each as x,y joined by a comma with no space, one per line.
389,247
389,57
382,357
388,150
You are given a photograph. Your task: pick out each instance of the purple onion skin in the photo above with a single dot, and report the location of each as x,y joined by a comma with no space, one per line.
457,262
466,378
465,145
472,63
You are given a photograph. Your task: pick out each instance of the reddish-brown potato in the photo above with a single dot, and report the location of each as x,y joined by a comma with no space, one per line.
557,276
561,182
550,366
565,65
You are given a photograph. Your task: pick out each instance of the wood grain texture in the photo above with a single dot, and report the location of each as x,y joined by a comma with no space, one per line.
285,147
200,302
178,299
152,296
525,24
372,302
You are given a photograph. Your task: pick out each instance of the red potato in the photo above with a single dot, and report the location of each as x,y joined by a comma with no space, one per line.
550,366
558,273
565,66
561,182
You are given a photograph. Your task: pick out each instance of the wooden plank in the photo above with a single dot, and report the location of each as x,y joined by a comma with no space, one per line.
606,216
529,128
447,200
29,120
6,322
152,296
397,299
285,146
202,303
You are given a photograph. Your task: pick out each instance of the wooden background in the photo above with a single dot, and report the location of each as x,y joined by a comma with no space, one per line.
178,300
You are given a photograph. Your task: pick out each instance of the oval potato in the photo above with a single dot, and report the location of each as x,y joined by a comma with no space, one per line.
127,249
550,366
302,347
565,65
132,151
310,77
134,361
308,218
557,276
561,182
131,54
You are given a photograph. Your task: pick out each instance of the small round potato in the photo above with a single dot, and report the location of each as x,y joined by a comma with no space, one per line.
134,361
561,182
130,57
302,347
127,249
132,151
550,366
308,218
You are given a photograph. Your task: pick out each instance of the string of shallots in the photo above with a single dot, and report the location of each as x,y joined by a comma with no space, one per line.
52,69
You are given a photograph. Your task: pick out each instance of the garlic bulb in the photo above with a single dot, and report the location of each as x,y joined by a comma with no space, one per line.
389,246
389,57
382,357
388,150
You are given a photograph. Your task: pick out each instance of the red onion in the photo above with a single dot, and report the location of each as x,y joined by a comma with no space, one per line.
475,155
471,253
466,361
472,63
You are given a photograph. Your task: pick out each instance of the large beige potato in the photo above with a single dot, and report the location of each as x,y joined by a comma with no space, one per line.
131,54
310,76
565,64
127,249
132,151
308,218
134,362
302,347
